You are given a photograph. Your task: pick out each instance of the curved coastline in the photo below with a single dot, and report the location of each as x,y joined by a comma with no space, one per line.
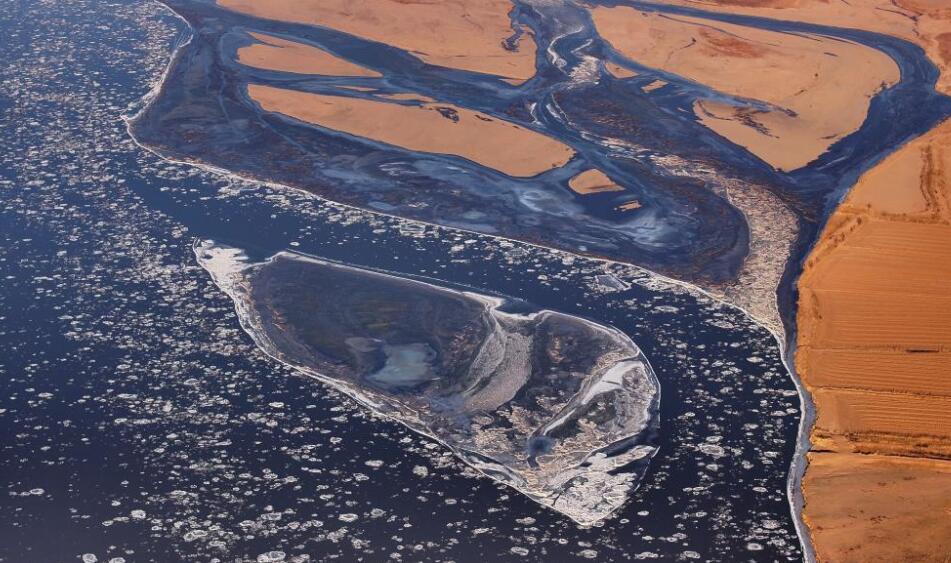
786,343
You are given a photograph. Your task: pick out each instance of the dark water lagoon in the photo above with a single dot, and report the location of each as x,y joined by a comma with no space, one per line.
139,422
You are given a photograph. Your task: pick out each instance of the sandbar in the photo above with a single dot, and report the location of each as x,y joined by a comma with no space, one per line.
924,22
464,34
629,205
818,89
593,181
618,71
274,53
426,127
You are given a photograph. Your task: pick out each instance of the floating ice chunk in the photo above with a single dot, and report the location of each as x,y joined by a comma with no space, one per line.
527,521
712,450
420,471
193,535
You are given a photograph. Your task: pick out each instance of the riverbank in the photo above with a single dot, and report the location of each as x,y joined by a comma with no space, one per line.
872,343
874,350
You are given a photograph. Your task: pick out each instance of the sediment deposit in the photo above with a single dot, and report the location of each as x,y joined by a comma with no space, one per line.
476,36
875,351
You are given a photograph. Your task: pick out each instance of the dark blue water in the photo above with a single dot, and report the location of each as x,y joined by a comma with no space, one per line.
138,423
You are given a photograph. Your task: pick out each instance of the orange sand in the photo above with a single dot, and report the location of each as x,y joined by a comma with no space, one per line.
875,352
464,34
619,71
593,181
827,83
879,509
274,53
629,205
407,96
492,142
924,22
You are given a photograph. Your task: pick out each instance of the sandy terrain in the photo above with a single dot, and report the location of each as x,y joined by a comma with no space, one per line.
875,351
655,84
879,509
619,71
428,127
274,53
593,181
818,89
629,205
464,34
870,298
924,22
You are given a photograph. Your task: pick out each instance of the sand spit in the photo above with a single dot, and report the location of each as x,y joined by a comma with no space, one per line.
464,34
274,53
592,182
875,352
815,89
427,127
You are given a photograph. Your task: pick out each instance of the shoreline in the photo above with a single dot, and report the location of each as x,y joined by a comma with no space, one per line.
794,479
787,344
